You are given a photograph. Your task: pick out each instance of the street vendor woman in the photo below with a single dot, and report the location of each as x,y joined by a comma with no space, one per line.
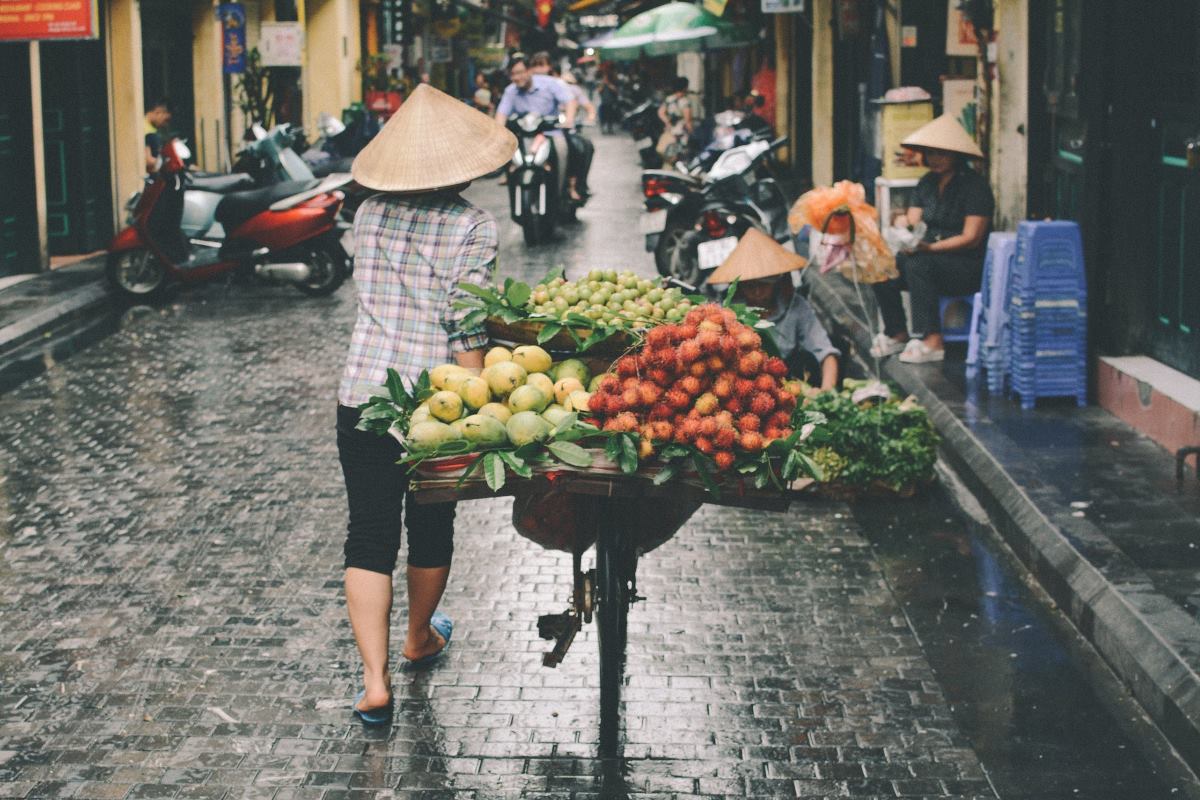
763,270
956,205
415,242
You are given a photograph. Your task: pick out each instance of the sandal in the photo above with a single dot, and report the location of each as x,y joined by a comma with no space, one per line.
884,345
445,628
380,715
917,352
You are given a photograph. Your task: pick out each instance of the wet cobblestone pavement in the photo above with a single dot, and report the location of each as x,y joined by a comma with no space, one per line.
173,623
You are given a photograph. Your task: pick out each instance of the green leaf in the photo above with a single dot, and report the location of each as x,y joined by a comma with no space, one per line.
675,451
508,314
454,447
596,338
529,452
396,389
552,273
470,302
515,463
548,332
749,468
575,318
374,391
423,383
668,472
517,293
474,319
612,448
572,454
566,423
627,458
471,470
813,468
493,471
730,292
479,291
705,472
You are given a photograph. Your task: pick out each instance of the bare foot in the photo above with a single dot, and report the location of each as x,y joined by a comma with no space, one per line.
378,693
432,643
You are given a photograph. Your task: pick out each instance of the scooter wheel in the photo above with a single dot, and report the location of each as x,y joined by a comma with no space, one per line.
138,275
329,268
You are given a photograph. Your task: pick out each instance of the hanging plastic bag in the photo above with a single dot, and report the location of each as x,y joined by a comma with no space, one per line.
850,240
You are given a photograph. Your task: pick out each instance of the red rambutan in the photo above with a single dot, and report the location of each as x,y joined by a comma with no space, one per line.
627,366
728,346
659,357
694,317
650,393
734,405
659,336
627,421
707,403
724,419
715,363
776,366
611,425
749,422
710,326
679,437
765,383
709,341
750,364
690,384
677,398
704,445
630,383
771,434
690,428
689,351
598,403
762,404
725,438
743,388
687,331
660,377
751,441
724,460
785,400
699,369
609,382
780,419
722,388
749,340
631,397
708,427
661,411
662,430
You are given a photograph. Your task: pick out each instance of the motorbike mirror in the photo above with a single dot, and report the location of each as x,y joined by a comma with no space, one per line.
329,125
259,131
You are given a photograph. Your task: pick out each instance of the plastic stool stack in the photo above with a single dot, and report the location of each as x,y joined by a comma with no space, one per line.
989,328
1047,321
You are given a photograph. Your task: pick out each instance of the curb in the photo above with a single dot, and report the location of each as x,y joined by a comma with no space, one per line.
78,317
1151,644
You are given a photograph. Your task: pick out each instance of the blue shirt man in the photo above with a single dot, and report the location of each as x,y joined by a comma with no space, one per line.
537,94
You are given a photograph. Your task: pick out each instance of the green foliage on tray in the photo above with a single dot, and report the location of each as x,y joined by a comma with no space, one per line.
876,441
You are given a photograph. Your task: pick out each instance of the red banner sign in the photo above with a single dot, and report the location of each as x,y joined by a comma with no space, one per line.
23,20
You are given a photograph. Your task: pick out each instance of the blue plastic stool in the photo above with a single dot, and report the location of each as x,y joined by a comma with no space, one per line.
959,333
973,337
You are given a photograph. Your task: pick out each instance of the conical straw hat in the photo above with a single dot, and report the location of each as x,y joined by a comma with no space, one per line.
756,256
432,142
944,133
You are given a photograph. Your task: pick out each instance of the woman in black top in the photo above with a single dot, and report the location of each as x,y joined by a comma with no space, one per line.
956,204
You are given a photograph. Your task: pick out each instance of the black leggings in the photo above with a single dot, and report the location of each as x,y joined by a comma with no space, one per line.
928,277
377,489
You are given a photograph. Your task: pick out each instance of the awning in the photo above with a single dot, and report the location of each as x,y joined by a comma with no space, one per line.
674,28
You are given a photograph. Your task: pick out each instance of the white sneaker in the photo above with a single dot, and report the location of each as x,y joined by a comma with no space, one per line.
917,352
884,345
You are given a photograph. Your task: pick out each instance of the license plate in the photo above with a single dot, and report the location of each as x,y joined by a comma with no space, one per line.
654,221
712,254
348,242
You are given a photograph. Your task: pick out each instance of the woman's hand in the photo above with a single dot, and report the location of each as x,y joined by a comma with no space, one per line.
974,234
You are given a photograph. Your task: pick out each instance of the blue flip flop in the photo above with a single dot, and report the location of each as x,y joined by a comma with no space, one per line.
445,627
380,715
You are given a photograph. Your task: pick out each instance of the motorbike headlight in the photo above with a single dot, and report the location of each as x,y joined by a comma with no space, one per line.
542,154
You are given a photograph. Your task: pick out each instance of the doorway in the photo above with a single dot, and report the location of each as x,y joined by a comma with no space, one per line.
18,212
167,61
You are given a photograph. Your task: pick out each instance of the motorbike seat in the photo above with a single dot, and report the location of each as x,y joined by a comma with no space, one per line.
237,207
222,184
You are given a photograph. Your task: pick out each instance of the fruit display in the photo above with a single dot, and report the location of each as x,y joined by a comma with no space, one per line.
606,297
704,382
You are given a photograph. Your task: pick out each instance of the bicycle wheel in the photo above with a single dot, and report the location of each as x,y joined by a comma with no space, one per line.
612,616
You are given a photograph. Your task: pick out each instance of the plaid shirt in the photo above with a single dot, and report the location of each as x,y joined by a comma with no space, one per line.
410,255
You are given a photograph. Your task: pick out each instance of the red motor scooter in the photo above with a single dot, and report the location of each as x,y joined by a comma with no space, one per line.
287,232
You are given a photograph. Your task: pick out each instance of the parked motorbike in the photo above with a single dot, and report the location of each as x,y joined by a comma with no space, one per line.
287,232
642,122
692,224
537,194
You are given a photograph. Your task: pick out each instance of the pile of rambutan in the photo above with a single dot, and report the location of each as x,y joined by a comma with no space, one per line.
705,382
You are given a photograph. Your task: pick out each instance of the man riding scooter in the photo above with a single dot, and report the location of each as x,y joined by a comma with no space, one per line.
544,96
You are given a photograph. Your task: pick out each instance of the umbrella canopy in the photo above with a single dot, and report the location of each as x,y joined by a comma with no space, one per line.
674,28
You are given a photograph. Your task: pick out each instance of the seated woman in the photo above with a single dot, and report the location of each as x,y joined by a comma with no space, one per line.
763,271
956,204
